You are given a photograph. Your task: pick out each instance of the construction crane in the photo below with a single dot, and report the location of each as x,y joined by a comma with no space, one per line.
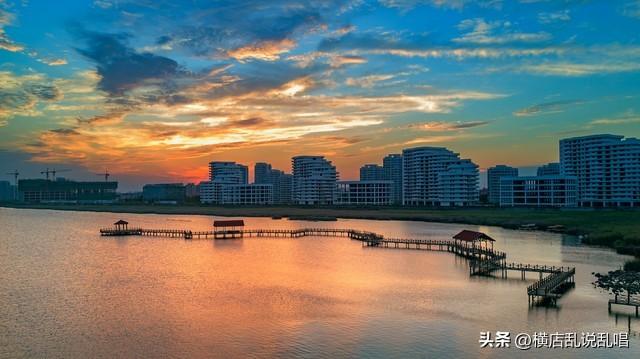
106,175
52,172
15,175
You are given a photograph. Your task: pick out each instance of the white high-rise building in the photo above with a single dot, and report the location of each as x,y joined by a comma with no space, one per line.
314,180
222,174
607,168
228,172
392,168
434,176
458,185
281,182
493,180
371,172
262,172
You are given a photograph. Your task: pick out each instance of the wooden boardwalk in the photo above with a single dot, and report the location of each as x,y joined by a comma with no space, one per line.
630,302
243,233
482,261
553,286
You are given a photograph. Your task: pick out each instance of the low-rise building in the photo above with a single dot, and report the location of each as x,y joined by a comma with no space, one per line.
239,194
247,194
192,190
366,193
539,191
7,191
210,192
66,191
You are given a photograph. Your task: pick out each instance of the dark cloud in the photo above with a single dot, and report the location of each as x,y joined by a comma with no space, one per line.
254,121
263,76
64,131
212,31
470,124
437,126
121,68
22,99
44,91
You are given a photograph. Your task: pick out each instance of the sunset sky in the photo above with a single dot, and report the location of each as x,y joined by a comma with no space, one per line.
153,90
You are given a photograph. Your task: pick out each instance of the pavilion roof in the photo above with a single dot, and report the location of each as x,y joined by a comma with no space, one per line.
229,223
472,236
122,221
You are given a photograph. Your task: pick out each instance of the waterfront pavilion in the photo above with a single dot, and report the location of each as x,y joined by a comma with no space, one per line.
121,225
228,229
474,240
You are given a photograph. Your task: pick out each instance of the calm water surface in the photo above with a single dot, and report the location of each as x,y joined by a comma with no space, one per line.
65,292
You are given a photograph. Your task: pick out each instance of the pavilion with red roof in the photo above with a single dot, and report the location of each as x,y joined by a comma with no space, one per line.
228,229
473,239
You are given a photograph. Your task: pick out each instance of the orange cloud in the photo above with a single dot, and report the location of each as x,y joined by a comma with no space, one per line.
266,50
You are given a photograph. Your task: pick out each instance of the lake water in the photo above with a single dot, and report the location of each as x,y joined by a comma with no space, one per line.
65,292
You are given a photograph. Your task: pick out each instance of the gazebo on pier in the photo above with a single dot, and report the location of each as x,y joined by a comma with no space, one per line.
121,225
473,243
229,229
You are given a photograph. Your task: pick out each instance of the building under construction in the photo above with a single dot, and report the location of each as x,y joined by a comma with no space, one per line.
66,191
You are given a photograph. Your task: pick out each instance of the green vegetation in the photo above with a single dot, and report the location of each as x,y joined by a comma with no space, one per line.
632,266
619,282
619,229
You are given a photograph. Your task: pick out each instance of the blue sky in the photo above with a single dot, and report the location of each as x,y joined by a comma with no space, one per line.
154,90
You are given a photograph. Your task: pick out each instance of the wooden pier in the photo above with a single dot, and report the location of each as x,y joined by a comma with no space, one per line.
551,287
244,233
630,302
476,247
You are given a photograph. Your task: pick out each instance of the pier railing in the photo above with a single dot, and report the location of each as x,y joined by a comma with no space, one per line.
547,286
482,260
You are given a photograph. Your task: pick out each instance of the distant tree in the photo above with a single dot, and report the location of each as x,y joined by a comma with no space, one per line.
619,282
633,265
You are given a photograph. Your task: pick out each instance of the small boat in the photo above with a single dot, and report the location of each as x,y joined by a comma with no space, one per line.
557,228
528,227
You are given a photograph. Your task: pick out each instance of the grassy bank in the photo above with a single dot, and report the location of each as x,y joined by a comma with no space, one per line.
613,228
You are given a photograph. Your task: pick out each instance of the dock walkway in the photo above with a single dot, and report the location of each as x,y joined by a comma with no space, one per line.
630,302
482,261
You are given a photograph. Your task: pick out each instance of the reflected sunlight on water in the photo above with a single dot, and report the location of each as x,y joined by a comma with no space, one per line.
66,292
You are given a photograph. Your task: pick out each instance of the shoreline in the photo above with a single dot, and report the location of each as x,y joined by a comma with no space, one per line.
616,229
576,221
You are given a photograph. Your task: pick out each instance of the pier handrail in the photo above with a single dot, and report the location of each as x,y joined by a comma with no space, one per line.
555,278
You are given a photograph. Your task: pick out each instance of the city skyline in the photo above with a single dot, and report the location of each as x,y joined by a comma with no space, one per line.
98,85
